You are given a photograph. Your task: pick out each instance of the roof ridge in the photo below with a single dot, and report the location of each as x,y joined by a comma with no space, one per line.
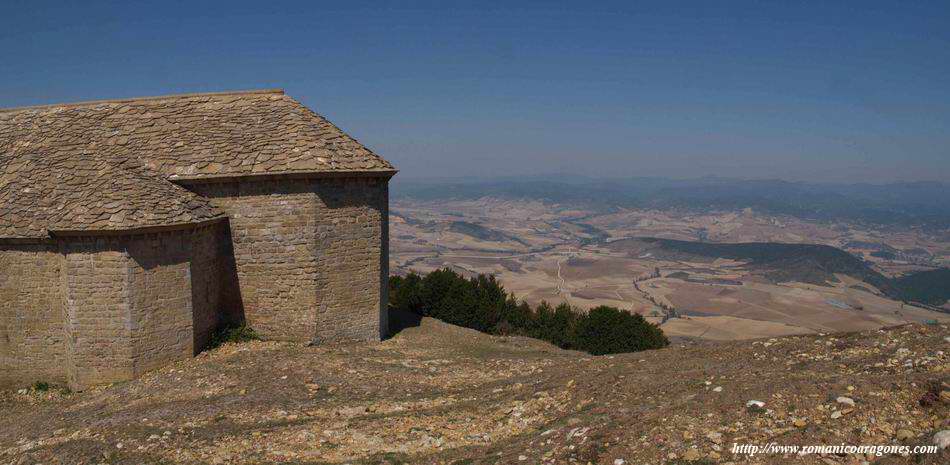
143,99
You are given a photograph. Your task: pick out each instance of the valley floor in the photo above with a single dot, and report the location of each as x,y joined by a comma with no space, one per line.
435,393
542,251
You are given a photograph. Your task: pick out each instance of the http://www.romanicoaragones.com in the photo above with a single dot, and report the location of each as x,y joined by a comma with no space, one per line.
849,449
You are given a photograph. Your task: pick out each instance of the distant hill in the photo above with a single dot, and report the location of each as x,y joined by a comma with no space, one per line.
919,203
807,263
928,287
481,232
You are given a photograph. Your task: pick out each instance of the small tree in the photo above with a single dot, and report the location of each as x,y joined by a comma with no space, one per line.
490,298
516,318
542,325
405,293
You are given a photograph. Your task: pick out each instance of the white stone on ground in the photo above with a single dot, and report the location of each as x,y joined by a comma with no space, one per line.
942,439
845,400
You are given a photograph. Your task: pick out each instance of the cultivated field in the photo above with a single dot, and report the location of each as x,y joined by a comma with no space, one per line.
556,253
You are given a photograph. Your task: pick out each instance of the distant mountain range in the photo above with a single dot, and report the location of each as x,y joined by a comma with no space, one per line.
922,204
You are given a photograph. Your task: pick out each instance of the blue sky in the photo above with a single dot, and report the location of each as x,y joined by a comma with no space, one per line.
819,91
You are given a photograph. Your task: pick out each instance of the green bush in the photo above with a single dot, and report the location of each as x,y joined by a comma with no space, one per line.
607,330
236,334
482,303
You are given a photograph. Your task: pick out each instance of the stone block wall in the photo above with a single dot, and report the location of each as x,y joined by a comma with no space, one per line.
32,341
302,259
95,287
311,254
272,228
215,297
353,270
93,310
176,281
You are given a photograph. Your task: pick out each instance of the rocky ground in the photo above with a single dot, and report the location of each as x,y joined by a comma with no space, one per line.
435,393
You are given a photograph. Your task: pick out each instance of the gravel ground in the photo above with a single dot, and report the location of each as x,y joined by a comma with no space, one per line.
435,393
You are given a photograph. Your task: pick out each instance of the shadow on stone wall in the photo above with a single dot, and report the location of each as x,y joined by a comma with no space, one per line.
232,303
216,301
324,224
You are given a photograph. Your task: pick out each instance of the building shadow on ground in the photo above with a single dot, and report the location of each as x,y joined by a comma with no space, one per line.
400,320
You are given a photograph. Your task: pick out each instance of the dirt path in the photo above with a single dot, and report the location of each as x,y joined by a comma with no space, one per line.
560,280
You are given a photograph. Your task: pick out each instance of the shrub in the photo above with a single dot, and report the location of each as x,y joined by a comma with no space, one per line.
519,316
41,386
608,330
404,293
235,334
555,325
482,303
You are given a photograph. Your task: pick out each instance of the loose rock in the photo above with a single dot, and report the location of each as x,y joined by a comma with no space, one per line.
692,455
904,434
942,439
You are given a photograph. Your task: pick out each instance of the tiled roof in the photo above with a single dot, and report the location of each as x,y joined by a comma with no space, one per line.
105,165
43,192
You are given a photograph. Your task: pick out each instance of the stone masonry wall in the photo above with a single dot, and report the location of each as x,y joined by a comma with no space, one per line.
176,301
32,341
353,270
175,296
311,254
272,229
302,259
160,306
95,280
215,297
95,310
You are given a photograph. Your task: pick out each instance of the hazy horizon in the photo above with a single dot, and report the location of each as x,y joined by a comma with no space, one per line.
564,177
851,92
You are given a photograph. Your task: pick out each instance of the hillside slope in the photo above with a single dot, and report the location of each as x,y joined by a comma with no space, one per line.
808,263
930,287
435,393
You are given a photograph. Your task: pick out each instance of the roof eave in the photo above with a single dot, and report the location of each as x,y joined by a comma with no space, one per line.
229,177
134,231
25,240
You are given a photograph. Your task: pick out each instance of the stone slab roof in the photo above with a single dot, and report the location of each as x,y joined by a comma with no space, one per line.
44,192
106,165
